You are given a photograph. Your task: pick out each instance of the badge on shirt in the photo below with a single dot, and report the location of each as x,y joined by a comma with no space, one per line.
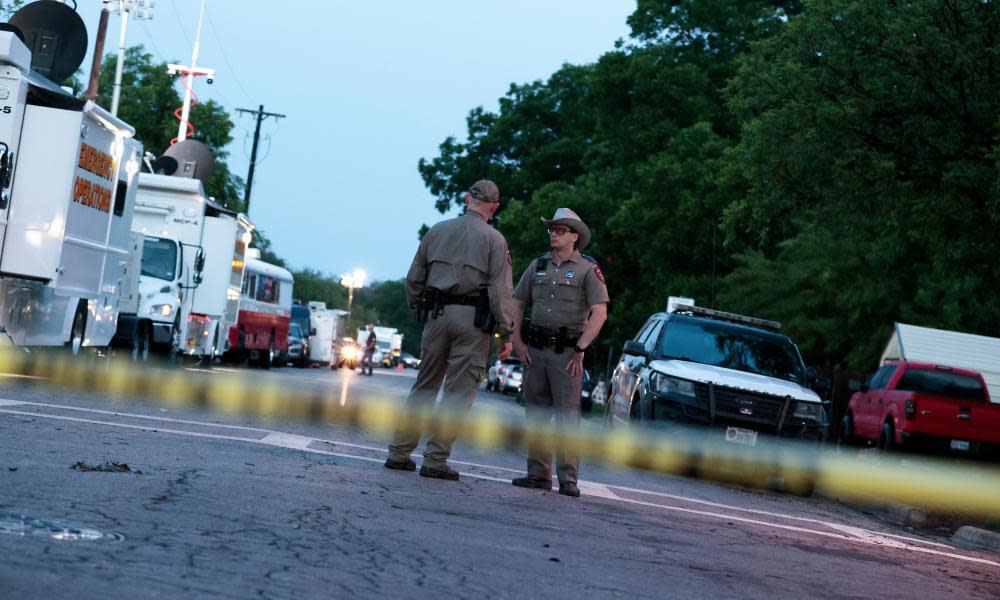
570,274
600,276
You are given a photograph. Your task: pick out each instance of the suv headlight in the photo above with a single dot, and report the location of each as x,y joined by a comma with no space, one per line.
670,386
812,411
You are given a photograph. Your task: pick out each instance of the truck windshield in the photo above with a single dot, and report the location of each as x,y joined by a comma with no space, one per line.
731,348
942,383
159,258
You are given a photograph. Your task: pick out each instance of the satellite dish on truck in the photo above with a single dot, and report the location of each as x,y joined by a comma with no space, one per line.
55,35
194,160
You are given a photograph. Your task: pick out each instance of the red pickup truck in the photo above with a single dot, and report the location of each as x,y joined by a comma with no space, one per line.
924,406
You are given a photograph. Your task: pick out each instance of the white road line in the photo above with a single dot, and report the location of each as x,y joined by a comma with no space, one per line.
301,443
287,440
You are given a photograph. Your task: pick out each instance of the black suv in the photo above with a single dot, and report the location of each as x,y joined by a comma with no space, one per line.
703,366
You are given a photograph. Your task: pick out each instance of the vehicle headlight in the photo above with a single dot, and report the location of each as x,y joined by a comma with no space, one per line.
670,386
161,309
811,411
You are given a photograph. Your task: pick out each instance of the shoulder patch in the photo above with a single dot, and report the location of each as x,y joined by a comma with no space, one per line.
600,276
509,261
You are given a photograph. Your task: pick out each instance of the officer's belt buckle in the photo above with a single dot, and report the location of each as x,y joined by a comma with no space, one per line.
551,342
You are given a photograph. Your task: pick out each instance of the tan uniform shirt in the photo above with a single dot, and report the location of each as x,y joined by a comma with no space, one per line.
464,256
561,295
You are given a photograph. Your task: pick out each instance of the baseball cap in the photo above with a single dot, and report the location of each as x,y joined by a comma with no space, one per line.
485,190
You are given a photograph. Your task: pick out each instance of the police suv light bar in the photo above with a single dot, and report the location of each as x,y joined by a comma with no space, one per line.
725,316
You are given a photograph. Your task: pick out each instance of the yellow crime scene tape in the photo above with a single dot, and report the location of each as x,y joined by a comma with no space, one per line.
932,484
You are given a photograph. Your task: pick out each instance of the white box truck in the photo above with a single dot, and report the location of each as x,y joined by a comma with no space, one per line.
192,269
329,325
67,186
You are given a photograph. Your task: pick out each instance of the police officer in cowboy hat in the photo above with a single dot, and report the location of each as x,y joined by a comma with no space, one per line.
569,304
460,277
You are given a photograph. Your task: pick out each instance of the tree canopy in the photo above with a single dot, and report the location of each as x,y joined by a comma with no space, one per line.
832,165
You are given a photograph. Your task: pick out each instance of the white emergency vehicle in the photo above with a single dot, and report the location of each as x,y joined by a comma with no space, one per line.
67,185
187,294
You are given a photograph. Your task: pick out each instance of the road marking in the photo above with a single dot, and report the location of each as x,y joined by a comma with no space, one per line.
301,443
288,440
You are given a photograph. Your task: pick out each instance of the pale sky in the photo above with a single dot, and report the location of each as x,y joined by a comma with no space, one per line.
369,87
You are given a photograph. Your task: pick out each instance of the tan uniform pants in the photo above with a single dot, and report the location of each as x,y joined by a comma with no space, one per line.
550,391
452,350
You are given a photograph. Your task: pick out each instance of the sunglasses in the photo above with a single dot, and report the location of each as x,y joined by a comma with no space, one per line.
560,230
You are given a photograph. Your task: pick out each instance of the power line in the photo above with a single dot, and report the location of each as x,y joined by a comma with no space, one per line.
225,57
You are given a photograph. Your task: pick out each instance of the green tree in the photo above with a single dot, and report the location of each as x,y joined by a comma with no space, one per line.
874,125
148,101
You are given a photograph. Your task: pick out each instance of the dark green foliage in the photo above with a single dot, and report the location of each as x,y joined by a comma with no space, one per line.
832,165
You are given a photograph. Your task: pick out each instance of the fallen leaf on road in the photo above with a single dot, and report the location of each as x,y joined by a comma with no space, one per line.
11,469
554,559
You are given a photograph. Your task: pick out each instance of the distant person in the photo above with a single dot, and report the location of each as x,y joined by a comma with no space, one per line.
460,283
369,351
569,304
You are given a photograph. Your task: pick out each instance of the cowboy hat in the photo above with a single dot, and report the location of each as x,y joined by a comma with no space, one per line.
565,216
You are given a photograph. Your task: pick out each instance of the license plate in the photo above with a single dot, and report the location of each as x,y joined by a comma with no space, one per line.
738,435
960,445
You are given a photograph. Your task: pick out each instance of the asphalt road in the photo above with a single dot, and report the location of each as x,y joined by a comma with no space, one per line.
238,507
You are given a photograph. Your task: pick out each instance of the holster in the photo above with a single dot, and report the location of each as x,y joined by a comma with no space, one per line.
484,316
430,304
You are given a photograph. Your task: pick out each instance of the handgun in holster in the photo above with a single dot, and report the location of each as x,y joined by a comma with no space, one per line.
430,304
484,318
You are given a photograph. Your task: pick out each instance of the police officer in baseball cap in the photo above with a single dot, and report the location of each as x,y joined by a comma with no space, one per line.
460,284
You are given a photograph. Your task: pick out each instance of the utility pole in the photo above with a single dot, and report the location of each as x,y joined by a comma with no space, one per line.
261,115
142,9
190,71
95,65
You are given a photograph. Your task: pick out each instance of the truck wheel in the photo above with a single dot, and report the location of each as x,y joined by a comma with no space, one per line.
845,437
78,331
267,358
887,439
141,341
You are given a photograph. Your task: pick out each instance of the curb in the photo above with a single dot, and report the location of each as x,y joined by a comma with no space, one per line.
974,537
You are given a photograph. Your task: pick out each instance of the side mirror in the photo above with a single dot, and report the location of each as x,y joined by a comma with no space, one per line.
634,348
312,331
199,265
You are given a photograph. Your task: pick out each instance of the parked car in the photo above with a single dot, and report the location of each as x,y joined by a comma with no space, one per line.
510,379
926,407
409,361
586,389
496,370
298,350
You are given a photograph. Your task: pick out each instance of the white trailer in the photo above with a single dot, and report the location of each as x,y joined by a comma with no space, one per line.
329,325
191,274
67,189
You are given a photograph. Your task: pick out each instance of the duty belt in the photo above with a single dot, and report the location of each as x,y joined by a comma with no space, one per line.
434,301
553,339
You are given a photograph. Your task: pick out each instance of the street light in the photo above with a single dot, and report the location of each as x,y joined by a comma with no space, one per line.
141,10
351,281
